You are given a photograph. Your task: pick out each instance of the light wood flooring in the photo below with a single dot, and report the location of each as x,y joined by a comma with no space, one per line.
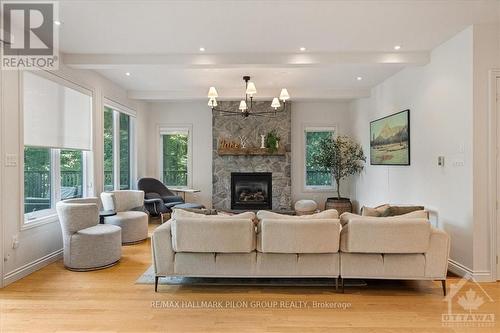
57,300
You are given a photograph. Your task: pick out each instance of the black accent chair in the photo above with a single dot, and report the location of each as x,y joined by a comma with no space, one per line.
159,200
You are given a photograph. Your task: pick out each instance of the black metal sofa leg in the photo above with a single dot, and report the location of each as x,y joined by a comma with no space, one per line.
157,278
443,284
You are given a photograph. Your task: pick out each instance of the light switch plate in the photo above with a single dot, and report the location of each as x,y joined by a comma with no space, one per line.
10,160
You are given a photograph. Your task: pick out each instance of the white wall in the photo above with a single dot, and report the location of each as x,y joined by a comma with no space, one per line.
440,97
321,113
42,244
195,114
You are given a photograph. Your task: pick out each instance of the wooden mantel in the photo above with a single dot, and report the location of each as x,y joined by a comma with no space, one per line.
250,151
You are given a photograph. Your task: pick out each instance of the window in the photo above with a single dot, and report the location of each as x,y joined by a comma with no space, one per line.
124,152
316,177
71,166
108,150
175,156
37,179
118,149
57,136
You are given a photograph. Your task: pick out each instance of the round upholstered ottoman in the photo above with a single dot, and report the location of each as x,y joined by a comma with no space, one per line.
134,225
305,207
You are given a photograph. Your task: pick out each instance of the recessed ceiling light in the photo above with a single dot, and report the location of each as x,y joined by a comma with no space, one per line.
359,78
202,49
302,49
127,73
397,47
56,22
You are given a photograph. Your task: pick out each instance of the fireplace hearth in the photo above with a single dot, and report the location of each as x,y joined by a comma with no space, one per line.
251,190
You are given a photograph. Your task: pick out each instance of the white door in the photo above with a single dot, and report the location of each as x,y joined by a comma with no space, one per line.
498,176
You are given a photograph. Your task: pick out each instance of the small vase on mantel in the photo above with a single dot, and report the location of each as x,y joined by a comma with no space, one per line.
262,141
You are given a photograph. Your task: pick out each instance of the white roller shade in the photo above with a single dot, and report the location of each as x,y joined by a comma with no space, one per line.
55,115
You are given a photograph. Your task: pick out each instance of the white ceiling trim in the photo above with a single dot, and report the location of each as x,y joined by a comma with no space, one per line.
236,95
281,60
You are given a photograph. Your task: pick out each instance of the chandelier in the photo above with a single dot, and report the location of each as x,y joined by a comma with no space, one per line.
246,105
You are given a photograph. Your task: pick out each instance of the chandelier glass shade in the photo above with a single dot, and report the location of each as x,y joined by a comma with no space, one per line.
246,105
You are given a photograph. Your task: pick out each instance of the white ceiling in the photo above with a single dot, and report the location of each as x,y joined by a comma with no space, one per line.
158,43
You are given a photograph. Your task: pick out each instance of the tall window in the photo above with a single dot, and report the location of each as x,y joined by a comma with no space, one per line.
316,177
108,150
57,135
124,152
175,156
118,134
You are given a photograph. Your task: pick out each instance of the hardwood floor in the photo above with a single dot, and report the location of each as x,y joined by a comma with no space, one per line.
57,300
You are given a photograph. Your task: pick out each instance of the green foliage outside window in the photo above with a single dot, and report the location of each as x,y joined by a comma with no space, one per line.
124,151
37,179
108,149
316,175
175,159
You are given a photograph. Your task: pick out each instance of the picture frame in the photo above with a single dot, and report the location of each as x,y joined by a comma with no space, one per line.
390,140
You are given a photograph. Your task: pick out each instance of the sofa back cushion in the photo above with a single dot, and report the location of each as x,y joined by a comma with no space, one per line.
385,235
213,234
295,236
326,214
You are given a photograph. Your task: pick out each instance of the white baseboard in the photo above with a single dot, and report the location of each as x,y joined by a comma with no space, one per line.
31,267
462,270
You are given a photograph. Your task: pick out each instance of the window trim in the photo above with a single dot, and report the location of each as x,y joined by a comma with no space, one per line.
318,128
118,108
165,129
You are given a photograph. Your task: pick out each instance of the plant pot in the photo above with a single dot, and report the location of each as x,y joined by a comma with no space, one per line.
342,205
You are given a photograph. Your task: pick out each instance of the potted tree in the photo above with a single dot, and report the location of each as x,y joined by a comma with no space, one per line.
343,157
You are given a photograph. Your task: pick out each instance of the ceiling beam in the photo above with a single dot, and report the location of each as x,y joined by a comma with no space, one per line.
235,95
227,60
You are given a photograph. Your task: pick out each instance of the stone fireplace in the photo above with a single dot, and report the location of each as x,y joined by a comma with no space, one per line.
278,166
251,190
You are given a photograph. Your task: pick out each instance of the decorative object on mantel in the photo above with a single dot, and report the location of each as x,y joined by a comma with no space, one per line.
344,157
271,147
246,105
272,141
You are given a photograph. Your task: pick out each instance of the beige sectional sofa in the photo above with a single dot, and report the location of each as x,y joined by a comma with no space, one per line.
274,245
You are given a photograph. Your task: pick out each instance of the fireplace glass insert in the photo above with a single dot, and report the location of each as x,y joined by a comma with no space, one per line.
251,190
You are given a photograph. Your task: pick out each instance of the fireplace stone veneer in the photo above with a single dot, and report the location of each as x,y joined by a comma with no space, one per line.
251,128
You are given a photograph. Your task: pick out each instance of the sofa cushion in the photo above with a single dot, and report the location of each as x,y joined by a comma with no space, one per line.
385,235
178,213
326,214
294,236
213,234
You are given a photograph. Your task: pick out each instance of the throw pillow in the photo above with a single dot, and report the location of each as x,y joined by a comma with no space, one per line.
400,210
418,214
375,212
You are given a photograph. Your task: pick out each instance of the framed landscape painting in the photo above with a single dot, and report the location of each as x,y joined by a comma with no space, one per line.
390,140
